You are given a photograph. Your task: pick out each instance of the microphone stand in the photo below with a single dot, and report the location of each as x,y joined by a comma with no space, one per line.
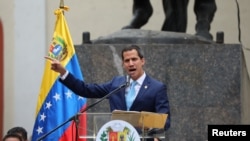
82,111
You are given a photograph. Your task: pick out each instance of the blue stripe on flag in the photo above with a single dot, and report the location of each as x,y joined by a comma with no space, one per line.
59,105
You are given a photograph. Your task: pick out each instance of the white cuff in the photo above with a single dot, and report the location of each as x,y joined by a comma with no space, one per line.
64,75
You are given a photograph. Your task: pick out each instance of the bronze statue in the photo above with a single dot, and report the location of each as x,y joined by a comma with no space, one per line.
176,15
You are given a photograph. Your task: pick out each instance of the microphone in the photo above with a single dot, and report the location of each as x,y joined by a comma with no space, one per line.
127,80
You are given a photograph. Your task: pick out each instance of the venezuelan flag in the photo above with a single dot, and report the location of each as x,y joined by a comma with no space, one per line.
56,103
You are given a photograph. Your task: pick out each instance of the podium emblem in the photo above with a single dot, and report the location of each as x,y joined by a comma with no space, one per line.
117,130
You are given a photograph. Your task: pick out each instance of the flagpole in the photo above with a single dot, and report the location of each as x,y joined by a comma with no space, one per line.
61,4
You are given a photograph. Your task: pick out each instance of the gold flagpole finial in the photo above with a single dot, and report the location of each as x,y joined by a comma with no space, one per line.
62,6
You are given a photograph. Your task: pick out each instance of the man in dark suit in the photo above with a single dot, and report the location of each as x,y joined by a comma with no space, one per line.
150,95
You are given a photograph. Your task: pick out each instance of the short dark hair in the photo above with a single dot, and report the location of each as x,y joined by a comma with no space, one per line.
19,130
12,135
131,47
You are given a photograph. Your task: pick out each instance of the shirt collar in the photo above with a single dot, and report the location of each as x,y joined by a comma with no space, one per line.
140,79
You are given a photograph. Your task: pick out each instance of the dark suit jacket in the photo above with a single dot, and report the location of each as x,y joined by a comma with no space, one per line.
152,96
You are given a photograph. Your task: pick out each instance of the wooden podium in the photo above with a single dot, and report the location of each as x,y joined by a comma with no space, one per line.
144,120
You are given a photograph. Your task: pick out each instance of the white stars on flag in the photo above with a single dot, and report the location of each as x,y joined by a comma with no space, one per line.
56,97
69,94
42,117
80,98
48,105
39,130
51,104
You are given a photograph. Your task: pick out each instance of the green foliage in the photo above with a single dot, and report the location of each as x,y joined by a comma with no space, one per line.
131,138
104,136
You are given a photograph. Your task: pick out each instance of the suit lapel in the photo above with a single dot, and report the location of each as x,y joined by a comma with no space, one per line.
144,87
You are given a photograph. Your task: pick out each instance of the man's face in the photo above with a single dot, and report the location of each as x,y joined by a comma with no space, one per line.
133,64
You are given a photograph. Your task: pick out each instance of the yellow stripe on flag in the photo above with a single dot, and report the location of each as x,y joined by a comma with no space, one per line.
61,30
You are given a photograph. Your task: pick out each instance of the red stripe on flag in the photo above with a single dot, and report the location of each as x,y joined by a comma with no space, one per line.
70,133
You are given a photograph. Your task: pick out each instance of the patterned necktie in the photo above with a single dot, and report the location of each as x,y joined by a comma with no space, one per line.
130,95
